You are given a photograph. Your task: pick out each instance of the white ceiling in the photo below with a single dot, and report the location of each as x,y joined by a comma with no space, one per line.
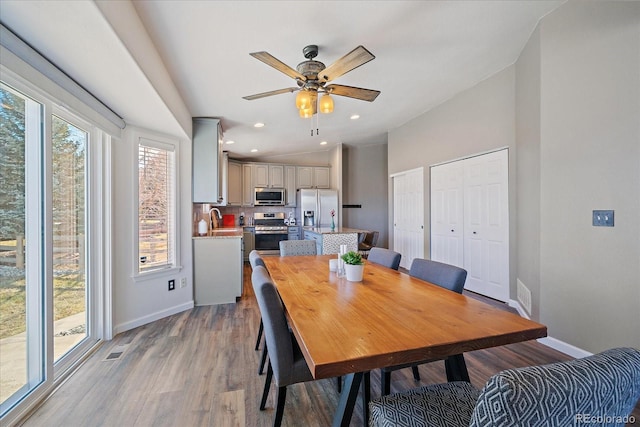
426,52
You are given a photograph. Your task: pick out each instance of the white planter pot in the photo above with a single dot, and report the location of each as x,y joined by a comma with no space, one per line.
354,272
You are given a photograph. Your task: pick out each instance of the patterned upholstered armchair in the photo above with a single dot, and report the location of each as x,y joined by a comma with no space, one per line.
601,389
297,247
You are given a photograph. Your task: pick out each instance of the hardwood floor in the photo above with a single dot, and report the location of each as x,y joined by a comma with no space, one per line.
199,368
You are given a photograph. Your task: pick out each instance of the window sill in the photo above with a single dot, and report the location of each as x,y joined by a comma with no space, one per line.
153,274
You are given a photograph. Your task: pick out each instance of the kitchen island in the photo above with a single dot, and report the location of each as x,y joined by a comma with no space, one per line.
217,266
328,241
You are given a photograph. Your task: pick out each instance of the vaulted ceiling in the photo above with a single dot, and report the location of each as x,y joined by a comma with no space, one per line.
426,52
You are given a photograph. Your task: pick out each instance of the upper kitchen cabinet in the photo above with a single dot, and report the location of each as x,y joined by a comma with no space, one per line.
313,177
290,186
234,182
207,160
247,185
268,176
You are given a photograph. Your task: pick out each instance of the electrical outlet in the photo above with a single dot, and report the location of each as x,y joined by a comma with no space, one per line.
183,282
172,284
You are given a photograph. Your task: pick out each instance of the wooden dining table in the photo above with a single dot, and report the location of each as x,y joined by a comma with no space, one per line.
390,318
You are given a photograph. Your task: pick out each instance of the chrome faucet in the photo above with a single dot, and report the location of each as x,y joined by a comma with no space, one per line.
219,216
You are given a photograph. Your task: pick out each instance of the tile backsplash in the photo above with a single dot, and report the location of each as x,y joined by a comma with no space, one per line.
198,213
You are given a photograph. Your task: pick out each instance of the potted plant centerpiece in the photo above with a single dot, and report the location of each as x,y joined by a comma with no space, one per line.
353,266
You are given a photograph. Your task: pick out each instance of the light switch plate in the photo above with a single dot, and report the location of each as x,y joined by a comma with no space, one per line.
603,218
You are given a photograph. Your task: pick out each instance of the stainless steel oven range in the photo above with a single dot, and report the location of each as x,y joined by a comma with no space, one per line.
269,230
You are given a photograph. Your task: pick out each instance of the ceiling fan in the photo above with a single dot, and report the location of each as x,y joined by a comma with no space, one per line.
312,77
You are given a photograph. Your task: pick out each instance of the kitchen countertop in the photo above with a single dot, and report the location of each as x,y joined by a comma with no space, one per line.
223,233
338,230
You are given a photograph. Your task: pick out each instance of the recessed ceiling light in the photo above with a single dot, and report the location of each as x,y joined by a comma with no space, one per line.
258,125
254,150
230,142
323,143
355,117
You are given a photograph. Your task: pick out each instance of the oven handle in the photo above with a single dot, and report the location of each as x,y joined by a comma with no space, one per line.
284,233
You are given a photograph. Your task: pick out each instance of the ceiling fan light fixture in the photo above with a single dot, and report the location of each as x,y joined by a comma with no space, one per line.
306,113
326,104
303,100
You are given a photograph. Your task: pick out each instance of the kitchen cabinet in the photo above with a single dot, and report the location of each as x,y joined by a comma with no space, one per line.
313,177
294,232
207,161
268,176
234,183
260,174
321,177
247,185
249,241
217,270
290,186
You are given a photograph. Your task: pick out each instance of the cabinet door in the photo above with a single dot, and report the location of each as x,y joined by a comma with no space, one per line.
207,160
276,176
249,242
260,175
234,181
321,177
304,176
290,185
247,185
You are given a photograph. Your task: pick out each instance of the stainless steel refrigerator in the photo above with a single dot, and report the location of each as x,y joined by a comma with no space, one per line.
316,206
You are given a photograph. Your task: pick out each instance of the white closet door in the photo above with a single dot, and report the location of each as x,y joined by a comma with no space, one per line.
408,215
486,224
447,214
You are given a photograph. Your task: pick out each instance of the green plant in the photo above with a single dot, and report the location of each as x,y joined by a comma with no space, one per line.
352,258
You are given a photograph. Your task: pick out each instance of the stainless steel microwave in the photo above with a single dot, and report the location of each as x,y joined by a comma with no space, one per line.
269,196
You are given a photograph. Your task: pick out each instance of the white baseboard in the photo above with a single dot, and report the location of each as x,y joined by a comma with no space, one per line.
152,317
551,342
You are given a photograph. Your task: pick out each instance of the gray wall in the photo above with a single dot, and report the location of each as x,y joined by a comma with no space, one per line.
528,170
569,111
590,159
365,183
478,120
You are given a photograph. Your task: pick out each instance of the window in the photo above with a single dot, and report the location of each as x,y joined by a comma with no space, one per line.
157,242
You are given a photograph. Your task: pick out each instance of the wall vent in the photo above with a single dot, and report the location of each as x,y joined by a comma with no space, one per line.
524,296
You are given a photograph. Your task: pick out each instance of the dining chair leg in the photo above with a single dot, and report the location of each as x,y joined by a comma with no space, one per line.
263,359
267,385
385,382
260,329
366,396
456,368
416,373
282,396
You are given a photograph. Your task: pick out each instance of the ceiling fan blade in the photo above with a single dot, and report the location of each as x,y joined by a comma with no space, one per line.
353,92
351,60
271,93
268,59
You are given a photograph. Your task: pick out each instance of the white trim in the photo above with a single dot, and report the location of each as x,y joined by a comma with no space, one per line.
126,326
420,169
551,342
481,153
564,347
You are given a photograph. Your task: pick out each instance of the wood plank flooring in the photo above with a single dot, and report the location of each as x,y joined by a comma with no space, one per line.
199,368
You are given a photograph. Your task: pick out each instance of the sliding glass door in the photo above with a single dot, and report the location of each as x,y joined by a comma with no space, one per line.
45,294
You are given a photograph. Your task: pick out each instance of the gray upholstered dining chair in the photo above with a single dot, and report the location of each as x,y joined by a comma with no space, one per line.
385,257
602,389
254,260
297,247
286,363
370,241
446,276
